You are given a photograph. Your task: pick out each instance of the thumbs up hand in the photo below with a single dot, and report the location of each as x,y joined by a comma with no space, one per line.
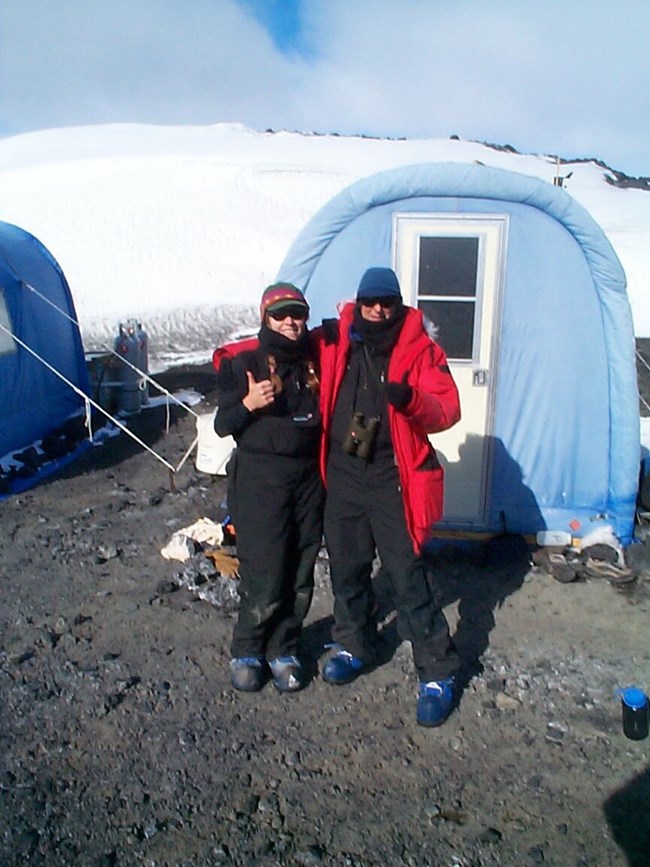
260,394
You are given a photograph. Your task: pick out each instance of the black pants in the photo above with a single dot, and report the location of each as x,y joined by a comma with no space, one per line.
277,510
364,511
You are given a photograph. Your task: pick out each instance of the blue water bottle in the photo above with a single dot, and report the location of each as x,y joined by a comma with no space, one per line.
634,704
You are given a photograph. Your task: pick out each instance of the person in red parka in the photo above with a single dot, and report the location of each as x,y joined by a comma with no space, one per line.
385,385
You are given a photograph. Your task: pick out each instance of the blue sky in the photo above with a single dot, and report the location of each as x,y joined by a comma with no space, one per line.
567,77
283,20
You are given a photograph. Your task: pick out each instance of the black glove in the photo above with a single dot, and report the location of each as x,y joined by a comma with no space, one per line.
399,394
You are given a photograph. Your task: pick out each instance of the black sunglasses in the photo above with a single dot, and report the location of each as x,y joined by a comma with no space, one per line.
388,303
297,312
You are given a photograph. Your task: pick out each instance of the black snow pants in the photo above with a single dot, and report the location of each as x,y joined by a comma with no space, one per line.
364,512
277,510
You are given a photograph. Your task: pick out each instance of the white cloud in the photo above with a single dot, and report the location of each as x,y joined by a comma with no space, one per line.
554,76
567,77
68,63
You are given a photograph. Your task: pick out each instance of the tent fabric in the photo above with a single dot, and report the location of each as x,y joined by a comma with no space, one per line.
566,438
34,400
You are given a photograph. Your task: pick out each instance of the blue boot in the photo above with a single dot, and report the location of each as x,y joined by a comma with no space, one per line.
248,673
288,674
342,668
435,701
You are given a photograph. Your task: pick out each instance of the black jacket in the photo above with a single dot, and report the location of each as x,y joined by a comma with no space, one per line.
290,426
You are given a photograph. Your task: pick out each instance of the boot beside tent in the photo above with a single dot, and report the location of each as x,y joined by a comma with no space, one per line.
530,304
34,401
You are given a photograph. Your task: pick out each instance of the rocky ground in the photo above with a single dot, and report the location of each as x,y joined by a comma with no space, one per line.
122,743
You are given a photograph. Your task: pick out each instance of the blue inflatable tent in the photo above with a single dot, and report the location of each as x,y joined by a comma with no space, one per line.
528,299
40,344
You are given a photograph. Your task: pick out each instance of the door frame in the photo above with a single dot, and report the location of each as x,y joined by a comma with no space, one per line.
491,230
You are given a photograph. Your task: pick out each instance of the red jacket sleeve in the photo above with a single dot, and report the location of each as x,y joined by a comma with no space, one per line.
435,404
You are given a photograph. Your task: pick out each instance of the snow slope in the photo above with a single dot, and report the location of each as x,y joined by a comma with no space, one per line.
182,227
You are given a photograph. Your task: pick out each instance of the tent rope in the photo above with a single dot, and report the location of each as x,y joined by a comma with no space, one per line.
141,373
89,400
642,359
188,452
89,425
645,363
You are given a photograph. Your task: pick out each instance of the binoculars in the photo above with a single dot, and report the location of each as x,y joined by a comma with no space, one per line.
360,438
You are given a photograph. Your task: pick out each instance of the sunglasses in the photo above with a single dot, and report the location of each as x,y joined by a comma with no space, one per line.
294,312
386,303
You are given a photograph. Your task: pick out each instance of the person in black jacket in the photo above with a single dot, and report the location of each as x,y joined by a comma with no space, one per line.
268,401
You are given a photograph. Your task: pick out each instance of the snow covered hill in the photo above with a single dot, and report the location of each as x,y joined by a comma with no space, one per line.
182,227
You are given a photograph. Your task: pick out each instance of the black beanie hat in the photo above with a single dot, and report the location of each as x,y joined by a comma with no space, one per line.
379,283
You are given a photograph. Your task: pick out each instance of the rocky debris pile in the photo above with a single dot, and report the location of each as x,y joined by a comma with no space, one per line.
211,567
202,578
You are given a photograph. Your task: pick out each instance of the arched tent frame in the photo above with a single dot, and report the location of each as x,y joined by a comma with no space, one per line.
452,185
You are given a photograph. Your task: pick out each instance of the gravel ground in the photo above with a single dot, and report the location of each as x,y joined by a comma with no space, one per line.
122,742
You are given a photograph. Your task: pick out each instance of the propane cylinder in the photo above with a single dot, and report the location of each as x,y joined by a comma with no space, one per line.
143,359
127,347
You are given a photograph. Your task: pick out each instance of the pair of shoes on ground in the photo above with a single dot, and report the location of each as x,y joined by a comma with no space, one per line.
559,563
612,572
250,673
597,561
435,700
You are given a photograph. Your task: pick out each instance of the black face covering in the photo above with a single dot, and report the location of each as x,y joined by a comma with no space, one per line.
282,347
380,337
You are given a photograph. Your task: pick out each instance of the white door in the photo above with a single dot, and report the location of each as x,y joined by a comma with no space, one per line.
451,267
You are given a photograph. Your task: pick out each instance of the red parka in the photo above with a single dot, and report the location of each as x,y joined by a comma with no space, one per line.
434,407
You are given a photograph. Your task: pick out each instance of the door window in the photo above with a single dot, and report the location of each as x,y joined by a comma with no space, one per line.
447,291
